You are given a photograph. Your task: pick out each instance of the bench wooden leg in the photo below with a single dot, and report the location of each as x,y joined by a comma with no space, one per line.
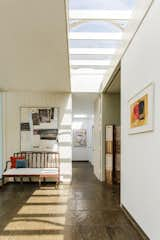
3,182
57,182
39,181
21,179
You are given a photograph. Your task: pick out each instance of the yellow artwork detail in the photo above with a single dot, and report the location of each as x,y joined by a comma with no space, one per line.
139,112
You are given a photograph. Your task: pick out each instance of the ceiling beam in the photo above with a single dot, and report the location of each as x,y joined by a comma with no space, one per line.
92,51
88,71
95,36
78,23
90,63
99,15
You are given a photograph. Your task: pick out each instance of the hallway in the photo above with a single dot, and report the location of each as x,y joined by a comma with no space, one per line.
86,210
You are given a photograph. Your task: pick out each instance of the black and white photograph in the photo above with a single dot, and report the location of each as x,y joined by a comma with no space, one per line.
35,119
25,127
45,115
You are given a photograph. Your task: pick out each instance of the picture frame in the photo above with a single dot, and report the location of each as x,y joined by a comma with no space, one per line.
45,115
80,138
39,128
140,111
25,126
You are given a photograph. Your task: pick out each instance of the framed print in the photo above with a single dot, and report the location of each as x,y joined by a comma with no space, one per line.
39,128
80,137
140,111
35,119
25,127
45,115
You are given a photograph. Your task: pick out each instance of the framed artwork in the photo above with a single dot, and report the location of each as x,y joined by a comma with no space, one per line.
140,111
39,128
47,134
35,119
25,127
45,115
80,138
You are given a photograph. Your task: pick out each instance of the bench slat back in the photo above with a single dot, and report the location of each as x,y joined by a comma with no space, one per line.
40,159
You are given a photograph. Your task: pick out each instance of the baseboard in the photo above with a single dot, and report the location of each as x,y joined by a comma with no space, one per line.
84,161
134,223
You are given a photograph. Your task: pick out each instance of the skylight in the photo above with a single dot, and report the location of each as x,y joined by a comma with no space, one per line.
96,30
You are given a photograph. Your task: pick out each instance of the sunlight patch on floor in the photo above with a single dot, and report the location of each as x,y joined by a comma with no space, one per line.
42,216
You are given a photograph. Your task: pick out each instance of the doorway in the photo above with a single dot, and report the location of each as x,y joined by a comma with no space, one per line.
82,127
111,113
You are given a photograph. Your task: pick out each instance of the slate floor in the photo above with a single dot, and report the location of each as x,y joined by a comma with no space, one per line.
85,210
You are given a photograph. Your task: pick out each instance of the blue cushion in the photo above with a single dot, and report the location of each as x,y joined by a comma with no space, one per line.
21,163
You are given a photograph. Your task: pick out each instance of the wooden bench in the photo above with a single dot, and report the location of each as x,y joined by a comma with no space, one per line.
40,164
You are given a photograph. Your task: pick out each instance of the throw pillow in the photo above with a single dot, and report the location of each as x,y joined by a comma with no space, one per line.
21,163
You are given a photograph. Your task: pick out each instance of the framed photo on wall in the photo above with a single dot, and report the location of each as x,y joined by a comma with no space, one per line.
39,128
140,111
80,138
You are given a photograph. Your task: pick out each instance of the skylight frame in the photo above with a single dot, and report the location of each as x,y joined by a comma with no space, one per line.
95,36
99,15
92,51
90,63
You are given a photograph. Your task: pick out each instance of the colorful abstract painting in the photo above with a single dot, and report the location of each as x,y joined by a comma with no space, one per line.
140,111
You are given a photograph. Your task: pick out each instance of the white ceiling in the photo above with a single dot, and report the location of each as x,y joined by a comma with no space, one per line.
33,45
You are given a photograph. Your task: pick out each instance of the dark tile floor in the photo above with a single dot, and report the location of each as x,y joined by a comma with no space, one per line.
85,210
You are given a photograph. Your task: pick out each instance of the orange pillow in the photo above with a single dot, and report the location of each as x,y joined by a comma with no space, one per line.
14,159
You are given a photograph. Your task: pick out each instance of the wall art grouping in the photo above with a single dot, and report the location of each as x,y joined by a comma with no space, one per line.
39,129
140,108
80,138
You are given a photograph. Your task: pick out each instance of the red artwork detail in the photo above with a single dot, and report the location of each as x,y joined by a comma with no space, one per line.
136,111
14,159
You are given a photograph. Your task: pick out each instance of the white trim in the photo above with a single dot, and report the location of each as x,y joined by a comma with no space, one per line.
95,36
90,62
99,15
80,22
92,51
82,71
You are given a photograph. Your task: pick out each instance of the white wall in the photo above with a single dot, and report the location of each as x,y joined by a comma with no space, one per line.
140,175
97,153
83,118
15,100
